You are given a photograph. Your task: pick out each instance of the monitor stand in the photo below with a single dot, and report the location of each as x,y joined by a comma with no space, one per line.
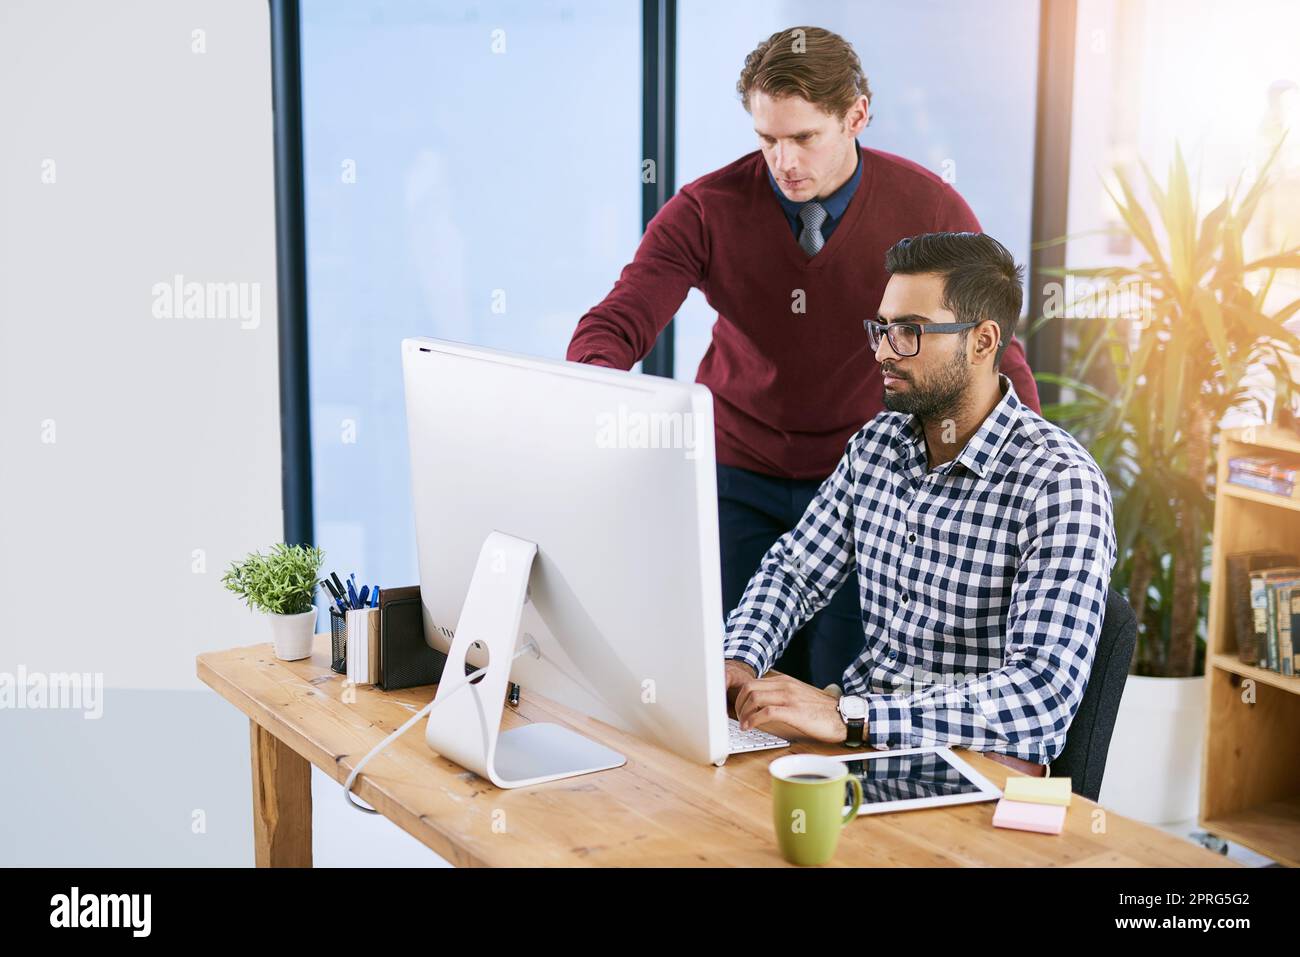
466,726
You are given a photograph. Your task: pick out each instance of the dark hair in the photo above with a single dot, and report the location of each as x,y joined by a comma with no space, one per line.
807,62
980,277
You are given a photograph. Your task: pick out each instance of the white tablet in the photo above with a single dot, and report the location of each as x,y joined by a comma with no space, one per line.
912,778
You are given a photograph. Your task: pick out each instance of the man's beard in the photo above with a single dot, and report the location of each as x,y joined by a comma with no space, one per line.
940,398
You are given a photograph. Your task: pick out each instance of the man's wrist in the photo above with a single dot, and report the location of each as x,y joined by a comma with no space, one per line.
747,661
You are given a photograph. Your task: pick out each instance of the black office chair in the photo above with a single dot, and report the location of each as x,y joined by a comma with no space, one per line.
1083,759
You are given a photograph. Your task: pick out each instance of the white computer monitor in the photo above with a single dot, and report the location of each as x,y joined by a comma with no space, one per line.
580,503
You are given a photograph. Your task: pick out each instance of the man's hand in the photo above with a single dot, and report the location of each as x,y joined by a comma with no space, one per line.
787,707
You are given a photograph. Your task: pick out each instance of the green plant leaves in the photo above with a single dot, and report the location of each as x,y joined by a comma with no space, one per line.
1144,389
282,582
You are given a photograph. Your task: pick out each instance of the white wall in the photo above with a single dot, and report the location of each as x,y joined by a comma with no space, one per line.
165,431
129,440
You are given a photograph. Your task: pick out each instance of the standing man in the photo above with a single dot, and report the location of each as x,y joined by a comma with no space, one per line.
788,245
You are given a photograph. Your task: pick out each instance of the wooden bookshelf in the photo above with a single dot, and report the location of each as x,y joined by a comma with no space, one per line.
1250,779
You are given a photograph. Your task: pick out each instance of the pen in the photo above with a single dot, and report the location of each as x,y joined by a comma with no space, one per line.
374,598
338,596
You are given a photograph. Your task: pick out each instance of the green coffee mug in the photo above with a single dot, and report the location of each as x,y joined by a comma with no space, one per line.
808,806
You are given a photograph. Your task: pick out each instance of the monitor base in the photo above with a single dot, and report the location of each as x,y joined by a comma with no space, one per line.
466,725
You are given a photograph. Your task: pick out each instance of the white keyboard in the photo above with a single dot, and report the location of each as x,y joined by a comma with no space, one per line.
753,740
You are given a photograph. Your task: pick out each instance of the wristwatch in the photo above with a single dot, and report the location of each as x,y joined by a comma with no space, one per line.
854,712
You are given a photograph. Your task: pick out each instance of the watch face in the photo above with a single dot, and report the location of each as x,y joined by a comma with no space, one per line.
852,707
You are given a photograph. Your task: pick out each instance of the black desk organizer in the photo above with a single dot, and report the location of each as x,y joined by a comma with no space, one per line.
405,659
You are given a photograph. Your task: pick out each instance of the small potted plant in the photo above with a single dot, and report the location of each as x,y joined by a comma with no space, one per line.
282,586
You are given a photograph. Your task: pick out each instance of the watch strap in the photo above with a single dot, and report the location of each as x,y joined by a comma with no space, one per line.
856,727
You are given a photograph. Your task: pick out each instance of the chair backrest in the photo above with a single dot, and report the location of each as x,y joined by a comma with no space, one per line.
1083,759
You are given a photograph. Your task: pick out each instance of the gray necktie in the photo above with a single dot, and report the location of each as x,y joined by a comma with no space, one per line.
812,215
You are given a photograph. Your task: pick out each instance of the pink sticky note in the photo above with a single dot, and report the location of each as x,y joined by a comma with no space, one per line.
1023,816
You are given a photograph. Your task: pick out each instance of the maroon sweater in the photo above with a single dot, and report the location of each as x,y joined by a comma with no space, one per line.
789,388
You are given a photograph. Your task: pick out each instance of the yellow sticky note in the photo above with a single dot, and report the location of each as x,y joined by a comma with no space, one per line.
1038,790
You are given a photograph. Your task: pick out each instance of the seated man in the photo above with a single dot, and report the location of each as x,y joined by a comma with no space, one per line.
981,534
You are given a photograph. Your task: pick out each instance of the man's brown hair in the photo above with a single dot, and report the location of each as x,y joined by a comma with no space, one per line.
807,62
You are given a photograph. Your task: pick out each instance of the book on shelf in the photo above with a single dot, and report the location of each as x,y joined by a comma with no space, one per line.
1278,598
1263,604
1282,625
1278,476
1267,466
1241,618
1295,630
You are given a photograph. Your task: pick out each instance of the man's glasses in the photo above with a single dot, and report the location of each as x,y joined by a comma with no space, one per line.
905,337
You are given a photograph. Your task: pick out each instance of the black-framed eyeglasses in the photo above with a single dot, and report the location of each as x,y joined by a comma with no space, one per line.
905,337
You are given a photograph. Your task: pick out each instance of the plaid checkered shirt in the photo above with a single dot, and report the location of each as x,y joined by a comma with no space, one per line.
982,582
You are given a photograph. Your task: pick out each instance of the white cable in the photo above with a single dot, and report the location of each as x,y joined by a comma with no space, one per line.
468,682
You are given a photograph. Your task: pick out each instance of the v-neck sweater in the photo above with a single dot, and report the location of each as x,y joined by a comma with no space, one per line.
789,366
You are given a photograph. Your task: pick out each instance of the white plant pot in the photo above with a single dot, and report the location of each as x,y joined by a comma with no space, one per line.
292,635
1153,768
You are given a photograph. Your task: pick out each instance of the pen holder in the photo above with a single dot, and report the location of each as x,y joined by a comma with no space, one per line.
338,641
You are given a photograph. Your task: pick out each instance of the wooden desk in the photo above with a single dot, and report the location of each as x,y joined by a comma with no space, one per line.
657,810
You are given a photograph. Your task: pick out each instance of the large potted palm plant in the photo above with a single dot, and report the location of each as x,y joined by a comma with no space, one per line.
1147,392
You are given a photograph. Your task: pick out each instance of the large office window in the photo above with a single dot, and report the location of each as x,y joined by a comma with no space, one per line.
953,85
1220,81
472,173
